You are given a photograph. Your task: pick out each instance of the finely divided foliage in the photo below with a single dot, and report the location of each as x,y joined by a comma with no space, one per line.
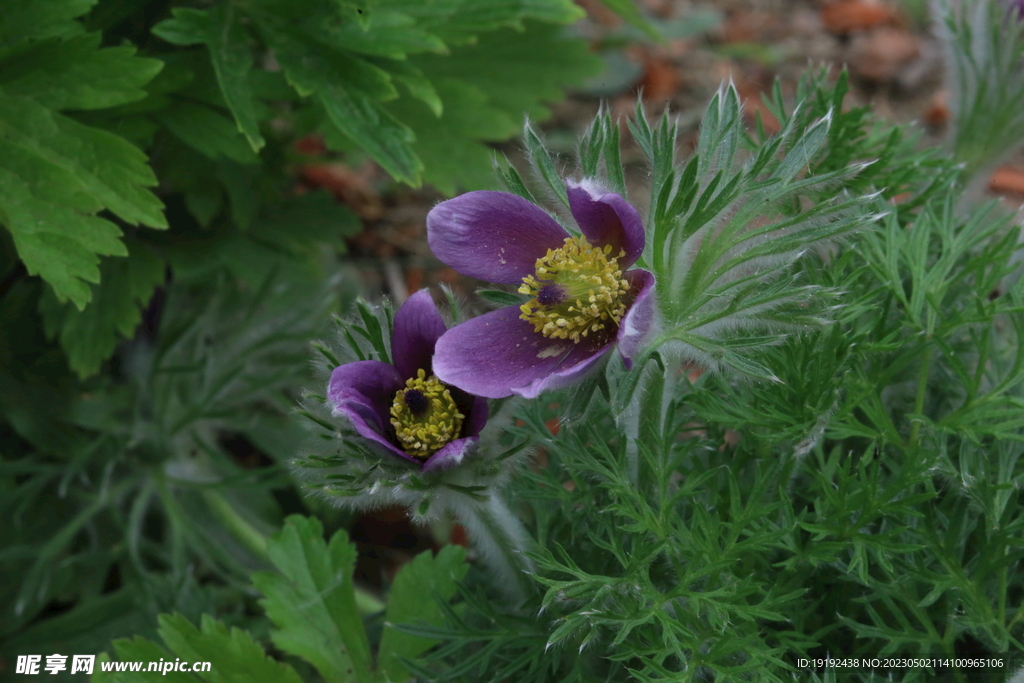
793,428
984,54
863,502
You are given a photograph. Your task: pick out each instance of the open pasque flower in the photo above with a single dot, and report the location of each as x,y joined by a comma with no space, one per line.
404,407
584,299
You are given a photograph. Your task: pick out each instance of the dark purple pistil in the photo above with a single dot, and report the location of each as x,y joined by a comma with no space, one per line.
551,295
416,402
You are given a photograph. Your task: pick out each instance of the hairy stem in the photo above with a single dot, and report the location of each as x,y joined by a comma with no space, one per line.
501,541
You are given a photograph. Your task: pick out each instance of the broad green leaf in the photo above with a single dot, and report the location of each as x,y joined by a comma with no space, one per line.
56,242
303,224
89,336
234,656
209,133
312,66
230,53
186,26
486,88
232,60
76,74
347,88
109,13
416,83
451,146
413,599
373,128
312,601
387,34
25,20
459,21
517,70
204,202
107,172
55,175
385,138
241,181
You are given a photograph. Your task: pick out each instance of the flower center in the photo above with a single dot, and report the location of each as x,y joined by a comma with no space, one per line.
425,416
576,290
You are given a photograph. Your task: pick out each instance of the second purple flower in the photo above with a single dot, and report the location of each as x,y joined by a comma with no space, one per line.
403,407
584,298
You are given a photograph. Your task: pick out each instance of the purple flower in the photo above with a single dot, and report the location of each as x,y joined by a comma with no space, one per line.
403,407
583,297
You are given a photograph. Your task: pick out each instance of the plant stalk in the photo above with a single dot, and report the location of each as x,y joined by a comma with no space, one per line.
501,543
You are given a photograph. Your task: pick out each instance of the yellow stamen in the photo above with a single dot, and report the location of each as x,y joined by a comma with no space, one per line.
425,416
577,290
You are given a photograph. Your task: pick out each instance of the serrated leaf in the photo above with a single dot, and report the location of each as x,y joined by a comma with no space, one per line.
459,21
518,70
485,89
311,66
414,598
209,133
55,174
312,600
417,84
240,182
90,336
204,202
230,53
77,74
450,146
385,33
27,20
232,653
385,138
347,88
186,26
232,61
305,223
56,242
110,172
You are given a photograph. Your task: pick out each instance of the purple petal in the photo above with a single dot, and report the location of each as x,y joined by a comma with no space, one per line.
477,416
370,434
363,392
498,354
473,407
367,383
449,456
418,326
606,218
637,323
492,236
